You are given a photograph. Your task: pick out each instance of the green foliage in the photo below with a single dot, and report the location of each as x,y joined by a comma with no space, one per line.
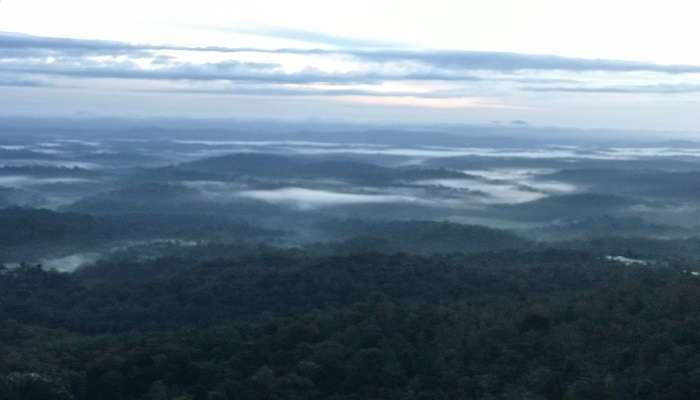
279,324
425,237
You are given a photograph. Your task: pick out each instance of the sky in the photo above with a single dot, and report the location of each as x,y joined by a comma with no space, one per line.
587,64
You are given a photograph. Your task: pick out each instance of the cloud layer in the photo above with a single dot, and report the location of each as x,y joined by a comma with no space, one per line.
346,69
458,60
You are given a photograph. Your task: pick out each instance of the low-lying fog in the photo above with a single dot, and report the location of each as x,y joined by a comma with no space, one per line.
552,189
494,185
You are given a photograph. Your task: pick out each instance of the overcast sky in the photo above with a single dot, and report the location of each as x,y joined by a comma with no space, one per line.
594,63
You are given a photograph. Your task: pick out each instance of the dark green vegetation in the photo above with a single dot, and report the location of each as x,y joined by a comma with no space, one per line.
17,197
24,232
418,237
285,324
280,167
345,265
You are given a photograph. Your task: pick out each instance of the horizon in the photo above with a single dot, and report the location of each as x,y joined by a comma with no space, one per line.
287,125
375,199
450,63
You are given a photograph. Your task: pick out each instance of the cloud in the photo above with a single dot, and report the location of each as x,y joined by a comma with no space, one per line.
227,71
295,91
354,71
302,36
630,89
441,59
13,44
499,61
16,45
167,69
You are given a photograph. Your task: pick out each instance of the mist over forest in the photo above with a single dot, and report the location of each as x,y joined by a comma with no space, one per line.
349,200
227,259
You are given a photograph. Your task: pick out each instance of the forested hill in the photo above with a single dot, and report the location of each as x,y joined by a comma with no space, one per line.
284,324
427,237
27,233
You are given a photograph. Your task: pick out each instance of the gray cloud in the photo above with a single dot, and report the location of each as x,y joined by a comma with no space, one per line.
235,71
191,72
228,70
16,45
453,60
631,89
277,91
510,62
168,69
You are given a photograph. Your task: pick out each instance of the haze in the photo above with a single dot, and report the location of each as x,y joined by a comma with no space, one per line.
595,64
358,200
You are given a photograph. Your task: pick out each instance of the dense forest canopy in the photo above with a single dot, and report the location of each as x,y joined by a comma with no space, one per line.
349,200
311,266
287,324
